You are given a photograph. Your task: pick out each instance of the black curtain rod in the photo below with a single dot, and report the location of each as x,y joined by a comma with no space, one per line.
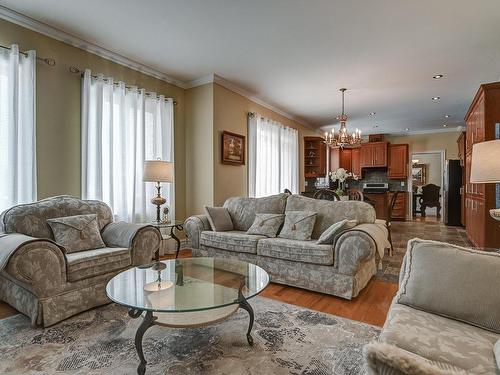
46,60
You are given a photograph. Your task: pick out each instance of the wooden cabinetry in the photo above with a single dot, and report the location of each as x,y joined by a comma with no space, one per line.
483,124
461,155
347,158
374,154
400,206
314,157
356,161
380,202
398,162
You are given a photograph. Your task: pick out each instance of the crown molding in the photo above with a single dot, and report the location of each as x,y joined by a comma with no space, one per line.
403,132
55,33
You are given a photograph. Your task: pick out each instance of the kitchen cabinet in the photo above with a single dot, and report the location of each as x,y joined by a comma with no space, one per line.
374,155
314,157
347,158
380,202
398,162
400,206
356,161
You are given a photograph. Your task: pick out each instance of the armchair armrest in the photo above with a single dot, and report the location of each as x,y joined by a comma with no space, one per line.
193,226
143,240
352,248
382,358
37,263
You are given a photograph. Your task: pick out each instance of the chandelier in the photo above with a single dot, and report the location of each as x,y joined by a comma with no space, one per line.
343,138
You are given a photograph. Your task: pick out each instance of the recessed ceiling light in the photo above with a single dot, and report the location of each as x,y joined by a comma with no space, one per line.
447,116
436,98
437,76
372,113
406,129
445,125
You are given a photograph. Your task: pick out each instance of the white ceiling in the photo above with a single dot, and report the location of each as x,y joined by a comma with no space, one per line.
296,54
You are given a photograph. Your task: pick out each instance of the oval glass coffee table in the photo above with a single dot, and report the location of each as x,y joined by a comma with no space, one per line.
188,292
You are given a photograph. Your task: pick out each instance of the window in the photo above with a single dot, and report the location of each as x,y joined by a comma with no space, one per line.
17,127
273,155
121,128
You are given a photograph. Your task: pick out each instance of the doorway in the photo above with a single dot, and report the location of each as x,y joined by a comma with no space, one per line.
427,168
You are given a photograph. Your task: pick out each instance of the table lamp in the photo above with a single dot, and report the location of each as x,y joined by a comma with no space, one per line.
485,167
158,171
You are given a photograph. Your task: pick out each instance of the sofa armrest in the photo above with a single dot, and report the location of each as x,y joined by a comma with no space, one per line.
193,226
143,240
352,248
381,358
38,264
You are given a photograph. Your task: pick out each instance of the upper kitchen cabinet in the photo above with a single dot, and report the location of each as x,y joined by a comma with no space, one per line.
356,161
374,155
314,157
347,158
398,162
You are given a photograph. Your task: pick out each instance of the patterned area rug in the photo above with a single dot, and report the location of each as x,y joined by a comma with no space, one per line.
288,340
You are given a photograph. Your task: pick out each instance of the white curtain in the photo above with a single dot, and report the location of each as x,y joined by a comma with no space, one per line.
17,127
121,128
273,157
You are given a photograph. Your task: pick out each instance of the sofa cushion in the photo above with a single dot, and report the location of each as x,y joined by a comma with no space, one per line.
232,241
329,212
446,342
298,225
77,233
497,353
295,250
219,218
452,281
266,224
243,210
328,235
91,263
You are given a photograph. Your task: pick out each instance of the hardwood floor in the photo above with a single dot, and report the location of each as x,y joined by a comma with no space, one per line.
373,302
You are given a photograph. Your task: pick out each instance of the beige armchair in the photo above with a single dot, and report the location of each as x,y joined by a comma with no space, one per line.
42,281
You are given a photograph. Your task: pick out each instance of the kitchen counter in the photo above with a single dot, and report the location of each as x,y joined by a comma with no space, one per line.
380,201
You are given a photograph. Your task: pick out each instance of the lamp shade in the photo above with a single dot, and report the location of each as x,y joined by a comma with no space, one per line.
485,164
158,171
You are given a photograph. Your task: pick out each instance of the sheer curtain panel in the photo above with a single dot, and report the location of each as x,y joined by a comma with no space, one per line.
273,157
121,128
17,127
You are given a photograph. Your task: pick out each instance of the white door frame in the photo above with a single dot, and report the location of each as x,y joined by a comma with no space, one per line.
442,153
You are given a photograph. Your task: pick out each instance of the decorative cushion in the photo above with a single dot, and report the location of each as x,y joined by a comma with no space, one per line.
497,353
295,250
243,209
298,225
452,281
328,235
77,233
219,219
266,224
236,241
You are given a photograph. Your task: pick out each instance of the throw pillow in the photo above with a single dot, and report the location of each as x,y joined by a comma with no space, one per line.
219,219
266,224
497,352
77,233
298,225
329,234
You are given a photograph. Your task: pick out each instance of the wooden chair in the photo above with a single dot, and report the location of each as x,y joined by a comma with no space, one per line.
326,194
430,198
287,191
388,220
356,195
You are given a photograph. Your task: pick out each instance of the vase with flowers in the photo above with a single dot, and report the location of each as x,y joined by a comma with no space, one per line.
341,175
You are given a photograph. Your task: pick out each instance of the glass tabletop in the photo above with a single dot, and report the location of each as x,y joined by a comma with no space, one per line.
188,284
171,223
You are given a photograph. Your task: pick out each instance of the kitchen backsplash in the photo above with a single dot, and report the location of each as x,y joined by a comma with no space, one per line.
377,175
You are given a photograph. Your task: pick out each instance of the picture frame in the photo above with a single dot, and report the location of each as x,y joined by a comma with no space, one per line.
419,174
232,148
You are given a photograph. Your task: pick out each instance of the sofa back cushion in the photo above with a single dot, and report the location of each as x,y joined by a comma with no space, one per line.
242,210
31,219
329,212
452,281
77,233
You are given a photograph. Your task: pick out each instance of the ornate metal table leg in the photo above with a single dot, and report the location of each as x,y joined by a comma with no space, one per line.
172,234
243,303
143,327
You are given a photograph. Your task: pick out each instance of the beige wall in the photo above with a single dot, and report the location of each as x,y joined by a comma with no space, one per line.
429,142
199,148
58,110
230,113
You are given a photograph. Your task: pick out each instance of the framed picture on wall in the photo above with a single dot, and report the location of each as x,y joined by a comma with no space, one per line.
418,174
233,148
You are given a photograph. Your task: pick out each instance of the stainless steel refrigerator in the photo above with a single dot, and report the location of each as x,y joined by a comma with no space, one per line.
452,184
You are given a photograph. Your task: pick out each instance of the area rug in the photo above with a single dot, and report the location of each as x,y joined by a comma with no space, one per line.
287,340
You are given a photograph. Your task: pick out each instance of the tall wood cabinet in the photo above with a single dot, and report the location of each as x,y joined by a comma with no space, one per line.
314,157
398,161
483,124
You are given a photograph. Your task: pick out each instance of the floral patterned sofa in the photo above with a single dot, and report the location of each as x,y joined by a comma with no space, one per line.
342,269
445,318
41,280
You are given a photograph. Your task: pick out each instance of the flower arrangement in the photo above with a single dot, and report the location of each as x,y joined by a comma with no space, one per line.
341,175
